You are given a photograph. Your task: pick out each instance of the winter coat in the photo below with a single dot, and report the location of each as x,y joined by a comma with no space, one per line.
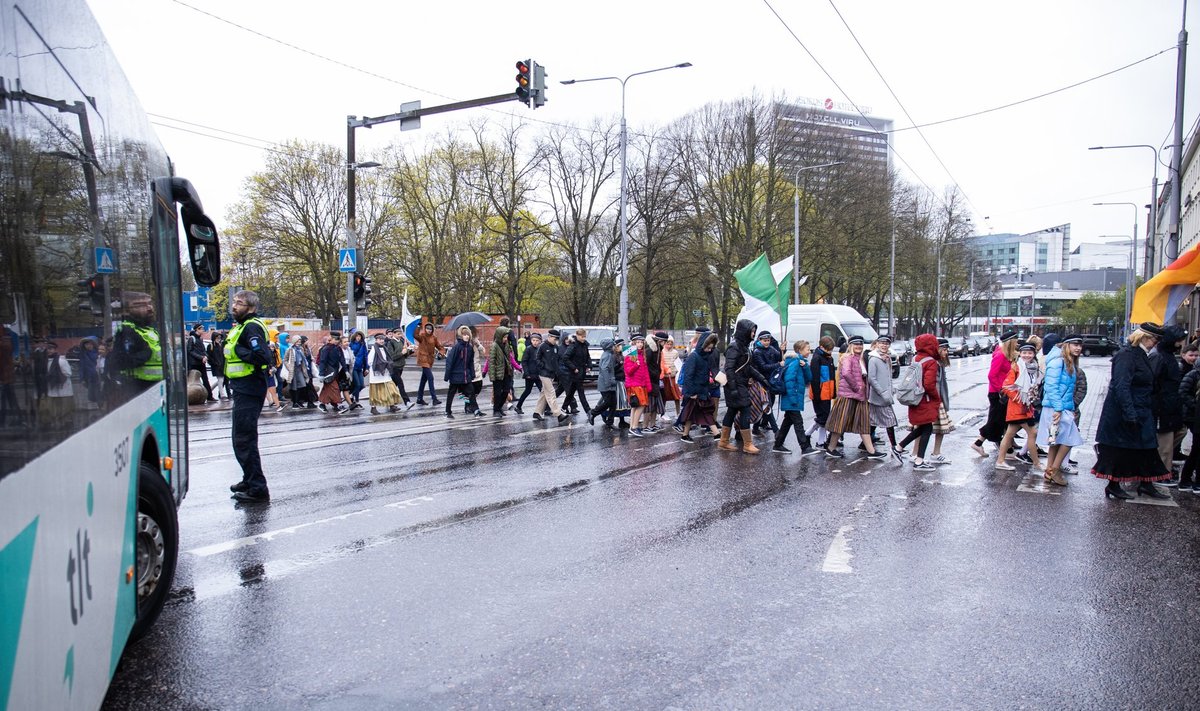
1167,407
1017,411
606,381
530,367
796,376
359,349
1080,387
460,363
698,372
998,370
500,359
216,357
823,373
195,350
670,362
330,361
298,366
1187,394
374,378
547,355
575,361
879,377
427,348
637,374
927,351
852,381
398,350
767,358
63,387
1127,417
738,366
1058,389
480,359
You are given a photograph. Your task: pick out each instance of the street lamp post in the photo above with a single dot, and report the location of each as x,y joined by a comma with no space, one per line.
351,235
1152,255
1129,279
623,306
796,231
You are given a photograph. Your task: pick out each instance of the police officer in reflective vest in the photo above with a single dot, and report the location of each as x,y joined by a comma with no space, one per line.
247,358
137,354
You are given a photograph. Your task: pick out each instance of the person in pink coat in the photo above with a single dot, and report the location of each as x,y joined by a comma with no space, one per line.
850,412
637,383
1002,360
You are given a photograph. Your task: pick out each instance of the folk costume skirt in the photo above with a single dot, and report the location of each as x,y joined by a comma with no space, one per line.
943,424
384,394
1124,465
700,411
759,401
849,415
883,416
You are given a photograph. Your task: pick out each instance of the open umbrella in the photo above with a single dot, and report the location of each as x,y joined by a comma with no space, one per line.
470,318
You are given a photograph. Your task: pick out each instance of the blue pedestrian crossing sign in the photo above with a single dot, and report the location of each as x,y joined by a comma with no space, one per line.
347,260
106,263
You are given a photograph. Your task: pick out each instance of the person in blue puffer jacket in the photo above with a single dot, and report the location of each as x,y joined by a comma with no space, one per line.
1057,430
797,373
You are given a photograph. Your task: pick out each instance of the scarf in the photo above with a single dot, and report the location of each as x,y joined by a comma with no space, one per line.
382,361
1028,378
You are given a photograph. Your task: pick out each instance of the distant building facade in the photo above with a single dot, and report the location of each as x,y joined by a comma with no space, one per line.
819,131
1010,253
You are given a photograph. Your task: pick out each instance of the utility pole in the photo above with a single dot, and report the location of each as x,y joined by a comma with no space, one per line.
1177,154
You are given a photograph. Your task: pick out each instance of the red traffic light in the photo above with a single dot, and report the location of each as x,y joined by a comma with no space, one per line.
523,68
523,80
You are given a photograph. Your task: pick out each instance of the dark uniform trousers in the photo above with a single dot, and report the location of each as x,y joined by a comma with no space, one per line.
247,406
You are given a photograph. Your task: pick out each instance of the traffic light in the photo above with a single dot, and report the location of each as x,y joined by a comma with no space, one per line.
91,294
537,92
362,291
524,80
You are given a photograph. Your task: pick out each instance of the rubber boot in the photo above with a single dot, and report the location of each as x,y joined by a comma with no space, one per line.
724,442
747,445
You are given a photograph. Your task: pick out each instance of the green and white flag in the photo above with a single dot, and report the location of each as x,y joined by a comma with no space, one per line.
767,290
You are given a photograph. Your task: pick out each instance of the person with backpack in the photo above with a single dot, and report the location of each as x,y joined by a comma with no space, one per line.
943,425
850,412
880,397
1021,387
918,389
795,374
823,369
1002,360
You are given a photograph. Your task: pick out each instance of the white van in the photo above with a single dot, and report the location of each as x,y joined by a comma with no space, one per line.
810,322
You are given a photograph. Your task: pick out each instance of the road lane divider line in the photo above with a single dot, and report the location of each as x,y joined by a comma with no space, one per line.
346,439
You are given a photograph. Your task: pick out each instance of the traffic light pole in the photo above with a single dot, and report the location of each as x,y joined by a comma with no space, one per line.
409,118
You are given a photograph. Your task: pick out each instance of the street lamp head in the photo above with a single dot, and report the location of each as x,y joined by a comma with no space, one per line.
683,65
364,164
1096,148
567,81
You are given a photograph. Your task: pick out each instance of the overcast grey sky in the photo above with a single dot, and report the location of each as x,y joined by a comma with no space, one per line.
1026,167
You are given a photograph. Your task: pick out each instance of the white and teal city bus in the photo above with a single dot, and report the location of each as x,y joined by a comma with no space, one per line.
93,430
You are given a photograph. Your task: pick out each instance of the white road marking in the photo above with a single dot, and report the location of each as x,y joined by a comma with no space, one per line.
1035,483
347,439
837,558
1149,501
963,420
226,546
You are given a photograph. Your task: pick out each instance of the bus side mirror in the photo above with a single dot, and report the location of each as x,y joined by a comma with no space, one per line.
204,248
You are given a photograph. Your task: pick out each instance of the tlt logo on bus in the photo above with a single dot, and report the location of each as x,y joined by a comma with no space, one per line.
79,565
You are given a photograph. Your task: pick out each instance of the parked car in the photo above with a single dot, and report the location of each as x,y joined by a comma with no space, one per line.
987,343
959,348
902,353
1095,344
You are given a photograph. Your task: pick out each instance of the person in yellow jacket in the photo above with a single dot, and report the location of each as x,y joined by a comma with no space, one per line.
248,358
136,357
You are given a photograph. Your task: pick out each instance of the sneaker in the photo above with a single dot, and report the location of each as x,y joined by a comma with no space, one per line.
636,432
422,403
1024,458
923,467
835,454
1196,489
898,453
1068,469
686,438
877,454
322,408
279,409
1042,452
1171,483
781,449
1072,462
1005,467
563,417
518,410
254,497
679,429
938,460
808,450
979,449
409,405
479,413
538,416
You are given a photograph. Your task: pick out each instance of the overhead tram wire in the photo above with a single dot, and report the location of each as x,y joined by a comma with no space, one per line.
829,76
903,107
530,119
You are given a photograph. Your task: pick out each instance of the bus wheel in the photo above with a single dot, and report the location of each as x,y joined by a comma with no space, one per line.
156,546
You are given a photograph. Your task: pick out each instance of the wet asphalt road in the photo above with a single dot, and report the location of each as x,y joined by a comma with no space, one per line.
409,561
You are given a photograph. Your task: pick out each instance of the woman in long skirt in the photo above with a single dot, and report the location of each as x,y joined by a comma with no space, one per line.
381,390
698,380
880,397
850,411
1020,387
1127,449
943,425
